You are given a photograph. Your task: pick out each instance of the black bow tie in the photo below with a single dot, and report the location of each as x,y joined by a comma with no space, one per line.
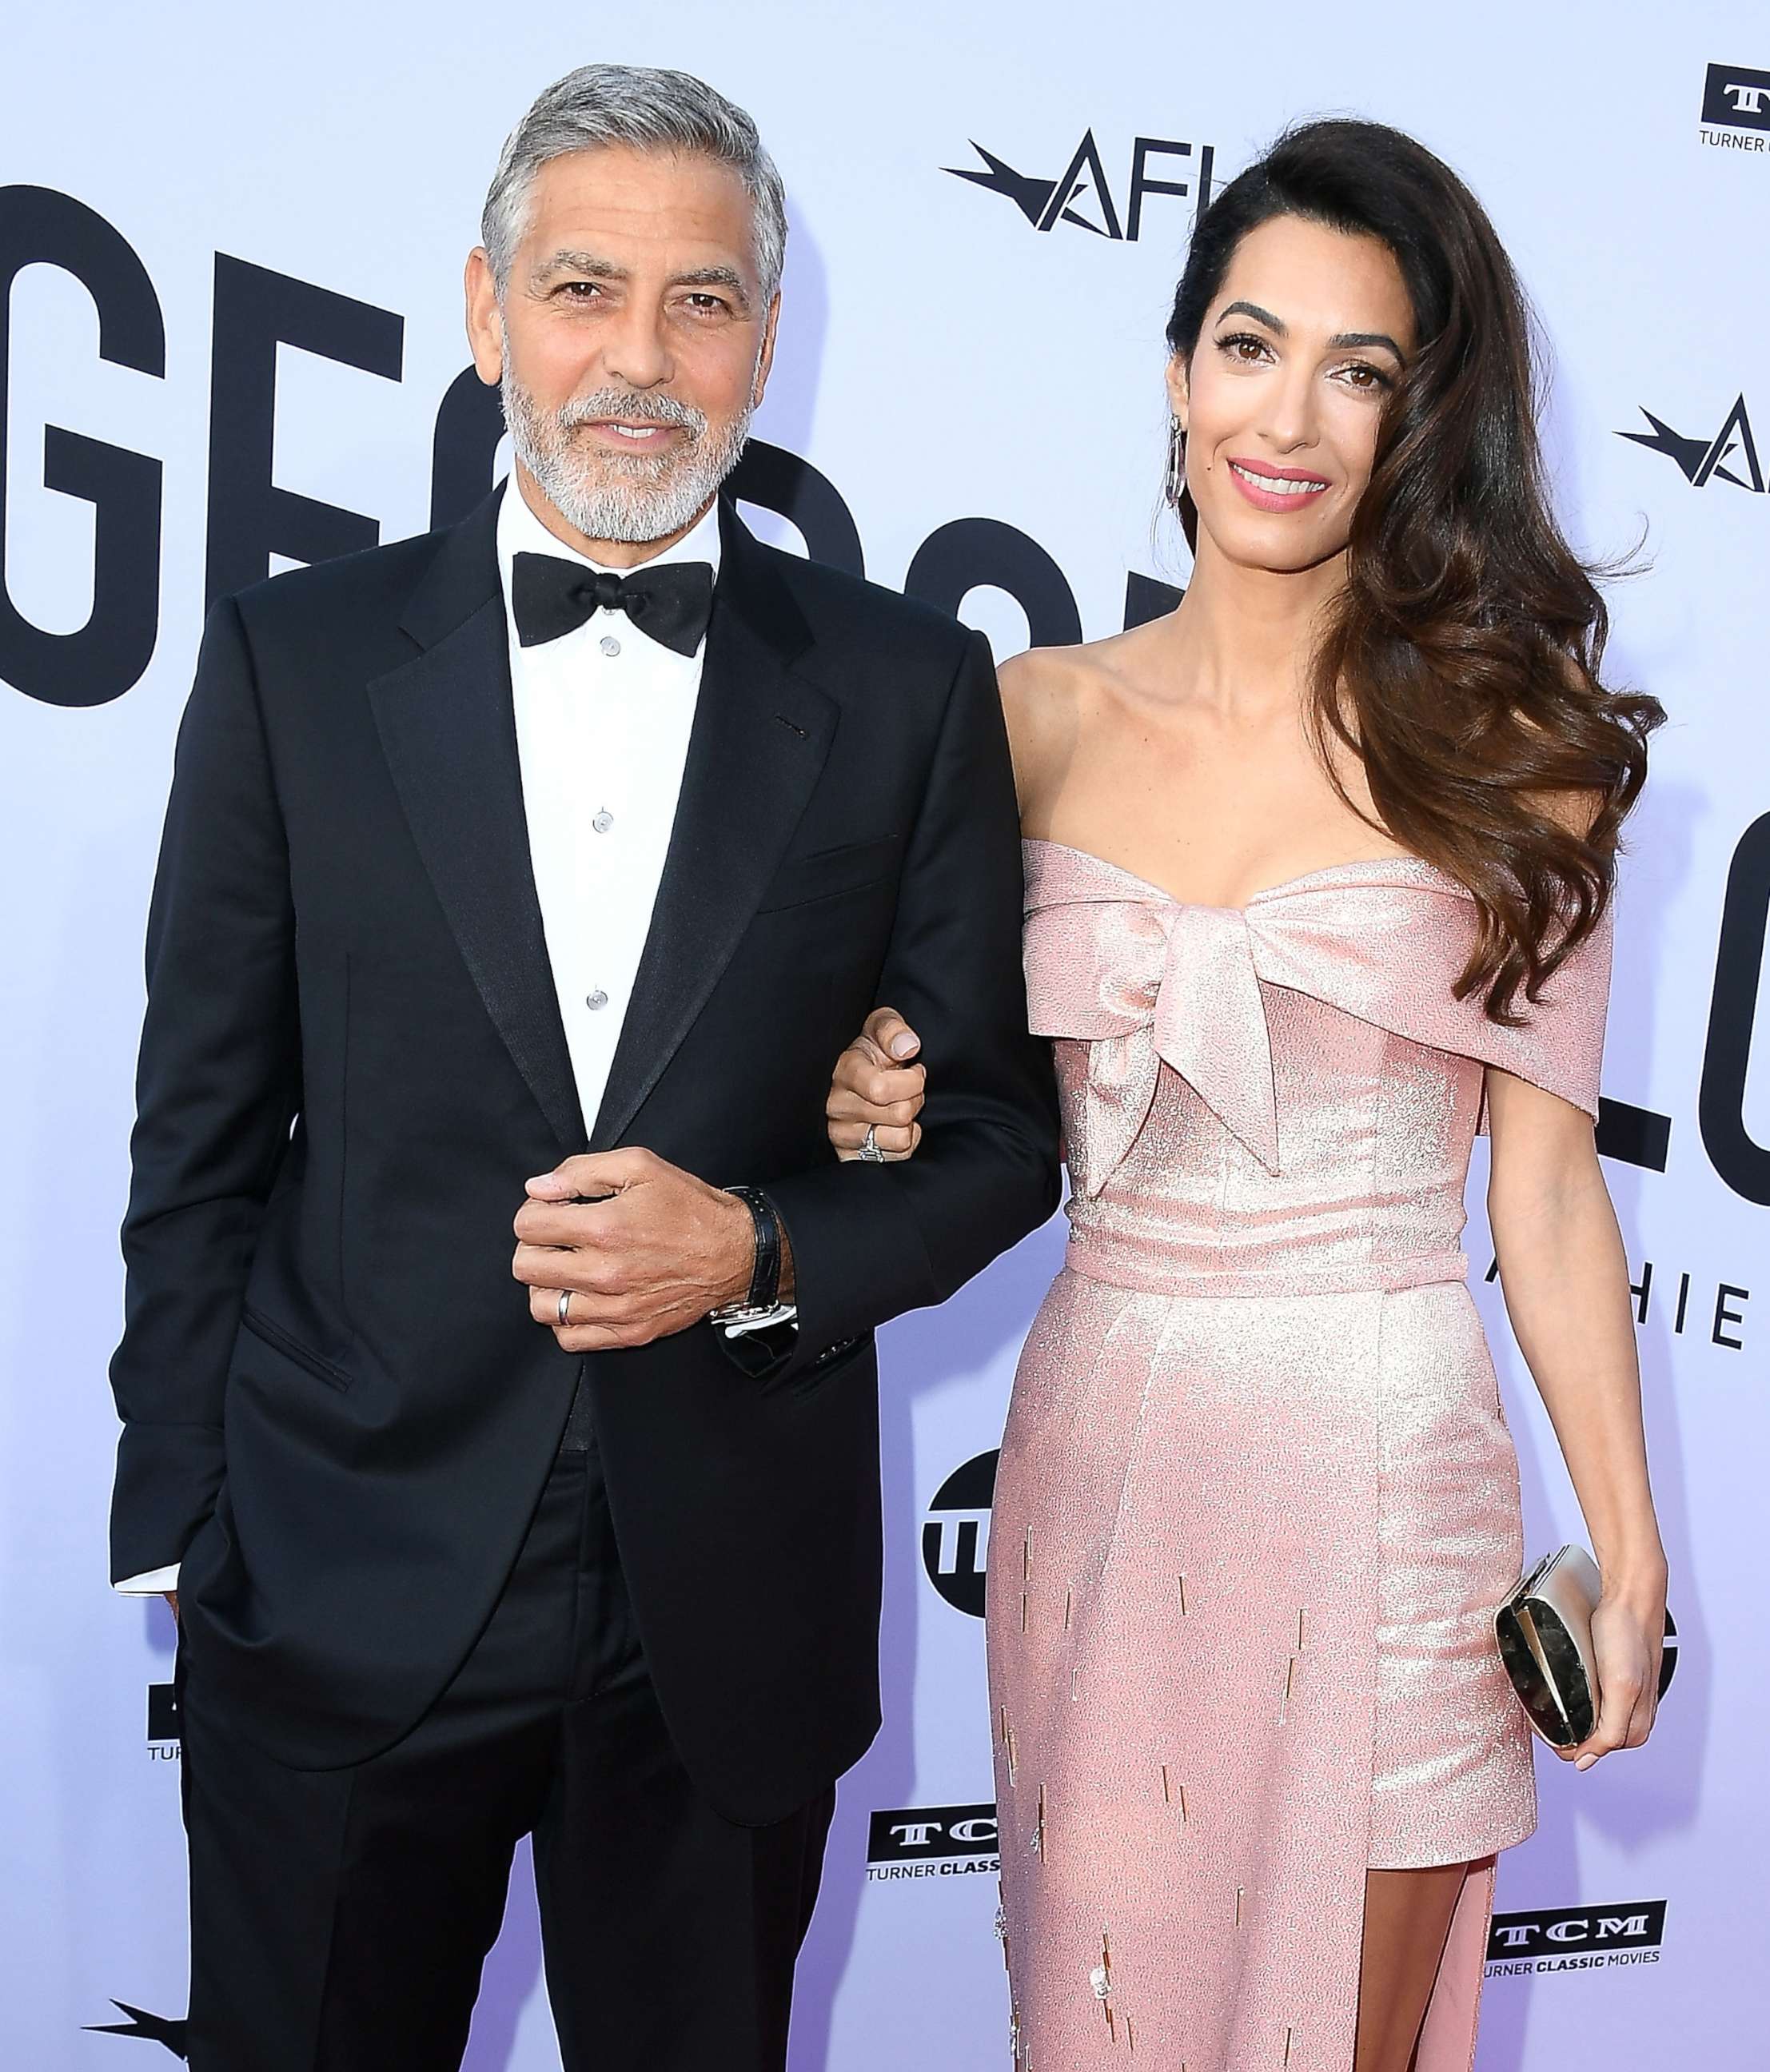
551,597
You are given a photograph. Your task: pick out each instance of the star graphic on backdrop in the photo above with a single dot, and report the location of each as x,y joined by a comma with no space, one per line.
1036,199
150,2028
1029,196
1700,460
1687,453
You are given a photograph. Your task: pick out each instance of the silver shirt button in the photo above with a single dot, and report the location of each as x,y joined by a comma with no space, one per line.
609,645
603,822
597,999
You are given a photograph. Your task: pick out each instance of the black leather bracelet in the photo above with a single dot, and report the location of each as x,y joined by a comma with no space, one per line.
765,1294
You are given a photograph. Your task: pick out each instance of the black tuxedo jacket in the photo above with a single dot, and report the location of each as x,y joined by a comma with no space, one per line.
338,1411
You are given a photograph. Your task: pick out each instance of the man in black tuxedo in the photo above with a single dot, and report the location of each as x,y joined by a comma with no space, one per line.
565,846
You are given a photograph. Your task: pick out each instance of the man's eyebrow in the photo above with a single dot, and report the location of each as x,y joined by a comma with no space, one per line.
1341,342
566,261
715,277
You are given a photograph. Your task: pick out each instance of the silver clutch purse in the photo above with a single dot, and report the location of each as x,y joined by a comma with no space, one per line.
1544,1630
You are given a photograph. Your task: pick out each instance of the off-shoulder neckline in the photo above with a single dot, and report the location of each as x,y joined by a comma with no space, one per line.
1402,860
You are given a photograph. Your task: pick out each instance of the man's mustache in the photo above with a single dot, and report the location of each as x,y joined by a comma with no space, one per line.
635,408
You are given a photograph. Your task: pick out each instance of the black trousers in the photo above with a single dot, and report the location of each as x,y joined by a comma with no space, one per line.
340,1918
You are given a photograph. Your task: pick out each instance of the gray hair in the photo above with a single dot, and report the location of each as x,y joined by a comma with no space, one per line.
652,110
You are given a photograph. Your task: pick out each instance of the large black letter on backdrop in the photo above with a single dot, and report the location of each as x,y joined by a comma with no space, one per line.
982,554
1739,966
250,519
464,446
39,227
783,482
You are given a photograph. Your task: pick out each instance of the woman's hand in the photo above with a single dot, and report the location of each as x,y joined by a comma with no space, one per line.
876,1086
1627,1632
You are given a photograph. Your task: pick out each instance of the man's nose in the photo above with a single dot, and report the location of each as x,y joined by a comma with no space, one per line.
636,350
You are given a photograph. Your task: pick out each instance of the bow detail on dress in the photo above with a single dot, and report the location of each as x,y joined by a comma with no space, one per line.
1145,980
1161,983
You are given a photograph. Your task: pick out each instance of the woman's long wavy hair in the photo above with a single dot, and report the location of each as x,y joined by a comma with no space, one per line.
1459,662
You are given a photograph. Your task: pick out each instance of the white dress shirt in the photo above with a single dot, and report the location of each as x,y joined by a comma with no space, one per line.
602,722
603,716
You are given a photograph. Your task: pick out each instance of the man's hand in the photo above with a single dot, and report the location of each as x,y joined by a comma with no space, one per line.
644,1248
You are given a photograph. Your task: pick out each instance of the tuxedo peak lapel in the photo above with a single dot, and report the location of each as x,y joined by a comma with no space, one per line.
447,727
760,738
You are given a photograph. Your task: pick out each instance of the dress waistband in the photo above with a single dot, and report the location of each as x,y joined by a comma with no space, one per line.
1123,1267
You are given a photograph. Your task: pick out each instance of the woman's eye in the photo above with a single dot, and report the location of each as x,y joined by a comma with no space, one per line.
1243,346
1367,381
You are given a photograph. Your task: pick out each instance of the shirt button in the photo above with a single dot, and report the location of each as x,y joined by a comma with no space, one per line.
603,822
609,644
597,999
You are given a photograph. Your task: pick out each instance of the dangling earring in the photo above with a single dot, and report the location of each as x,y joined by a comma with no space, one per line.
1175,487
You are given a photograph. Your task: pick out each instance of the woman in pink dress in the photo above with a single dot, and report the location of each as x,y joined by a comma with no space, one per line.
1319,871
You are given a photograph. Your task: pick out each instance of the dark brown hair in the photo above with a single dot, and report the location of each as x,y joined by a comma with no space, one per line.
1460,660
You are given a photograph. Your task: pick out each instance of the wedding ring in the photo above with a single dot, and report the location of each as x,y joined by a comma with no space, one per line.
565,1306
869,1150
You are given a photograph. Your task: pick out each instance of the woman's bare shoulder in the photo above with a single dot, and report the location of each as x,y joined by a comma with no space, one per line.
1050,697
1047,687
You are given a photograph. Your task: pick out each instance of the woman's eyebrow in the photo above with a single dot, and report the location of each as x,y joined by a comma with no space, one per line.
1259,315
1342,340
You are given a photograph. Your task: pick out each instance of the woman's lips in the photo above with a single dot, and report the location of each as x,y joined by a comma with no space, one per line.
1255,479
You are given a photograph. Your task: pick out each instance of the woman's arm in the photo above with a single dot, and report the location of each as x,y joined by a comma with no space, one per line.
1566,1281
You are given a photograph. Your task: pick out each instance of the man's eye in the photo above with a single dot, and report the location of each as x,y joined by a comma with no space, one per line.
579,291
708,305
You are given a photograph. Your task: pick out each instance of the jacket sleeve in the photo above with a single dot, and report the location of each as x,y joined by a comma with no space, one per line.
217,1089
871,1241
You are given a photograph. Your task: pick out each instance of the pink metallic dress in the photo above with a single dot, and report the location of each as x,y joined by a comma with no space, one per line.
1257,1499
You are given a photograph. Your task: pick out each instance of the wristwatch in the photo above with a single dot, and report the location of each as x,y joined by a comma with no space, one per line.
763,1297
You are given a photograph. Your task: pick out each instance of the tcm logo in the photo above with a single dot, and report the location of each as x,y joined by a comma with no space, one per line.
1736,97
1082,194
932,1841
162,1712
913,1834
956,1538
1567,1931
1730,456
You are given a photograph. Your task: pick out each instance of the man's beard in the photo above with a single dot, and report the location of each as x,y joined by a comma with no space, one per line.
610,496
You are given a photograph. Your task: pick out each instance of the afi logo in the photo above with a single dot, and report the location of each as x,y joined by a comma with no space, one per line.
1638,1924
1731,456
1736,97
1082,195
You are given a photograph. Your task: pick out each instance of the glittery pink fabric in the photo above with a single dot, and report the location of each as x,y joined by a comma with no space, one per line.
1256,1498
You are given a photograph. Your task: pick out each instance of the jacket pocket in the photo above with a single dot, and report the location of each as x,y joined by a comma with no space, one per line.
279,1341
824,873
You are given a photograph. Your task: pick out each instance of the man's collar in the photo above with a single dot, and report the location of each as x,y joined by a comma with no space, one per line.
519,531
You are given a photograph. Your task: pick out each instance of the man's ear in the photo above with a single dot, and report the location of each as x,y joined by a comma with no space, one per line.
484,318
765,357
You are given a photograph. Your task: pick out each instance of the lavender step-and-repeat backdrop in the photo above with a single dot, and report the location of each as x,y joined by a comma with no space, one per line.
231,243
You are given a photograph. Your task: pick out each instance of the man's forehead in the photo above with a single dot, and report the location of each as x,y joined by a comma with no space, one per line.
648,196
